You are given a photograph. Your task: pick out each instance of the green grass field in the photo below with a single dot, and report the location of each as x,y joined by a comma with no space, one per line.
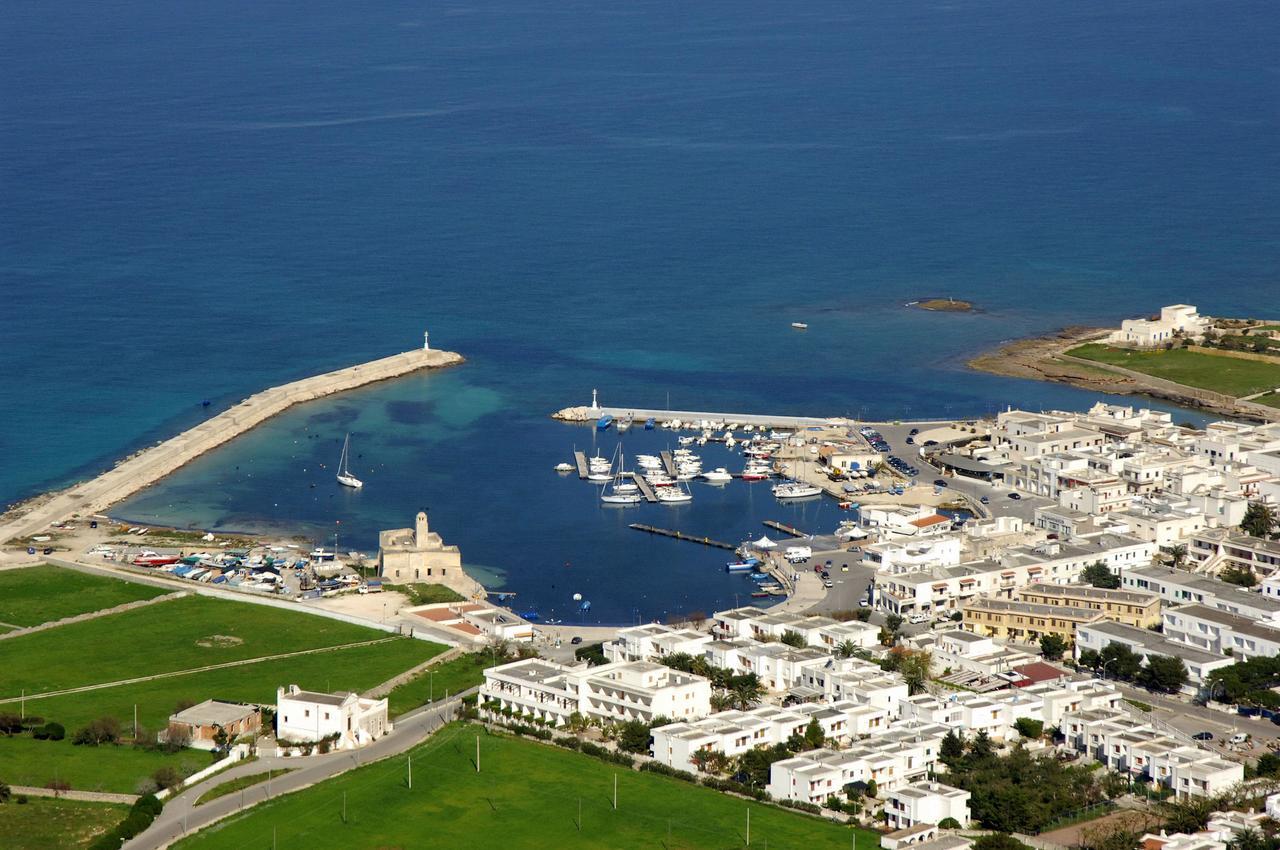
179,634
35,595
1270,399
453,676
231,786
527,795
1230,375
162,638
43,823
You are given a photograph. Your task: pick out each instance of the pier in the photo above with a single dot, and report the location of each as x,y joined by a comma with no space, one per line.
581,460
646,489
668,462
680,535
785,529
150,465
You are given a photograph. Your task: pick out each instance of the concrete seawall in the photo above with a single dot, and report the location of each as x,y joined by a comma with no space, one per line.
150,465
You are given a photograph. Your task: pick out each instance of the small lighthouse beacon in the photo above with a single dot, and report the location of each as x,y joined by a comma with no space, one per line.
426,341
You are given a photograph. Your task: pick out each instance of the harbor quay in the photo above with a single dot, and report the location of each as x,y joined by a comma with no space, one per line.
150,465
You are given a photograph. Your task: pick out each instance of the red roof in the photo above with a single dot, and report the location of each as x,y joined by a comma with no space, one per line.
1037,672
929,520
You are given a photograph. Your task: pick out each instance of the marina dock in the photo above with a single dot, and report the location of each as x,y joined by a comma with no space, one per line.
646,489
581,460
785,529
680,535
150,465
668,462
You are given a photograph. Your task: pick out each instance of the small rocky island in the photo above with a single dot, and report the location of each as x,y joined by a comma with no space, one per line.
943,305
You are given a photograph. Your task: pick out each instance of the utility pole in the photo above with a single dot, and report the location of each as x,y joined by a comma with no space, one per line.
23,705
431,679
579,814
410,773
135,721
477,753
344,806
748,827
615,792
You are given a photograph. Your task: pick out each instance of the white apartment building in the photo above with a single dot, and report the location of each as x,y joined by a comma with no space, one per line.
962,651
1180,587
897,556
752,623
653,642
1174,322
926,803
1146,643
1058,562
856,680
1160,521
904,521
1216,631
616,692
1221,548
306,716
905,753
735,732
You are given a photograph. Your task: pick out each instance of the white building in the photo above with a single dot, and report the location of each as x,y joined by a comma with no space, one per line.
1175,321
653,642
1146,643
614,692
1181,587
901,755
305,716
1215,631
925,803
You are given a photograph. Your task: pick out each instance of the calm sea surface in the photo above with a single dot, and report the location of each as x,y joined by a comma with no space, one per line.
201,200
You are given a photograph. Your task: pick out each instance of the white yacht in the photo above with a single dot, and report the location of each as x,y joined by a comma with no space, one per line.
719,475
564,467
795,490
345,478
674,496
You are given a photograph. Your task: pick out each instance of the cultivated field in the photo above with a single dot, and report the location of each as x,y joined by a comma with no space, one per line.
527,795
43,823
165,645
1230,375
42,594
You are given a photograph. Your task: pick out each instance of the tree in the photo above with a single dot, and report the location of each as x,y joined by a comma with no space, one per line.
873,790
747,690
50,731
846,649
1100,575
913,666
1178,555
1029,728
794,639
1242,576
814,737
700,759
1252,839
980,747
1052,647
1268,765
1189,814
1163,673
104,730
5,793
10,724
949,823
952,749
722,701
893,623
754,764
220,738
576,723
998,841
634,737
167,777
177,737
1090,659
1120,661
1259,519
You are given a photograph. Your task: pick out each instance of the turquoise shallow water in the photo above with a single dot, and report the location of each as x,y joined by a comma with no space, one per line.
640,197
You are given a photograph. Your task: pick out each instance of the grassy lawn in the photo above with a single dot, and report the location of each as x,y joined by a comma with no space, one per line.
1270,399
426,594
26,761
527,796
1230,375
176,635
35,595
231,786
461,673
43,823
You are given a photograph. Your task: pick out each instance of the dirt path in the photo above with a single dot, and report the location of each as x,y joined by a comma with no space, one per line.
241,663
92,615
86,796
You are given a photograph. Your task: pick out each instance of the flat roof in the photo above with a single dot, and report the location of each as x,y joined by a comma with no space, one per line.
214,712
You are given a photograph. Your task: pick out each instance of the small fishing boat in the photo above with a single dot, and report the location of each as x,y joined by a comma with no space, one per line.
345,478
650,424
800,326
603,423
624,424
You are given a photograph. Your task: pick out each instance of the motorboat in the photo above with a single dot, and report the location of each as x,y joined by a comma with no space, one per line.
795,490
603,423
345,478
755,473
650,424
800,326
674,496
719,475
624,424
564,467
686,441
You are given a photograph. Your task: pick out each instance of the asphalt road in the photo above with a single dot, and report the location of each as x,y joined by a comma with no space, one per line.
180,817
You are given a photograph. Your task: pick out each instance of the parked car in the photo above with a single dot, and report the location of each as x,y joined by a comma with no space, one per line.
1239,738
862,603
1015,497
1203,736
938,482
577,639
828,584
917,619
915,431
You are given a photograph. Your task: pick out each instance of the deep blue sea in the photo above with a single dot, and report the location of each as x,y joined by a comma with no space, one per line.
201,200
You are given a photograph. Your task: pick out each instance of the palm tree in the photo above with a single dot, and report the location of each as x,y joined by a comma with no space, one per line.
846,649
1178,553
577,723
722,701
748,691
700,759
879,467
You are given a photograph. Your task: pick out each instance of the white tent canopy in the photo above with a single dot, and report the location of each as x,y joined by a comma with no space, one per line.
764,543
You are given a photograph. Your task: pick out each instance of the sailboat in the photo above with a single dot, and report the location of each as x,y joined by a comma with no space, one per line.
345,478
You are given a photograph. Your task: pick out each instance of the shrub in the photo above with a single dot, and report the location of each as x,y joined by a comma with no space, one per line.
167,777
104,730
140,816
176,737
10,724
50,731
1028,727
949,823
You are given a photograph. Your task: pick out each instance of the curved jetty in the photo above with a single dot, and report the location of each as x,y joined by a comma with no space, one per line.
150,465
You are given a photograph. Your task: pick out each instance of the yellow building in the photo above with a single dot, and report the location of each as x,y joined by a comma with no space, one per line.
1025,622
1131,607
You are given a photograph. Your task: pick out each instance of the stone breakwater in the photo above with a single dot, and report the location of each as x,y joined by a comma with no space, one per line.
150,465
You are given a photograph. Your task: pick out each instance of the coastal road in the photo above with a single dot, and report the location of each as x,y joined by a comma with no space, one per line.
181,817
